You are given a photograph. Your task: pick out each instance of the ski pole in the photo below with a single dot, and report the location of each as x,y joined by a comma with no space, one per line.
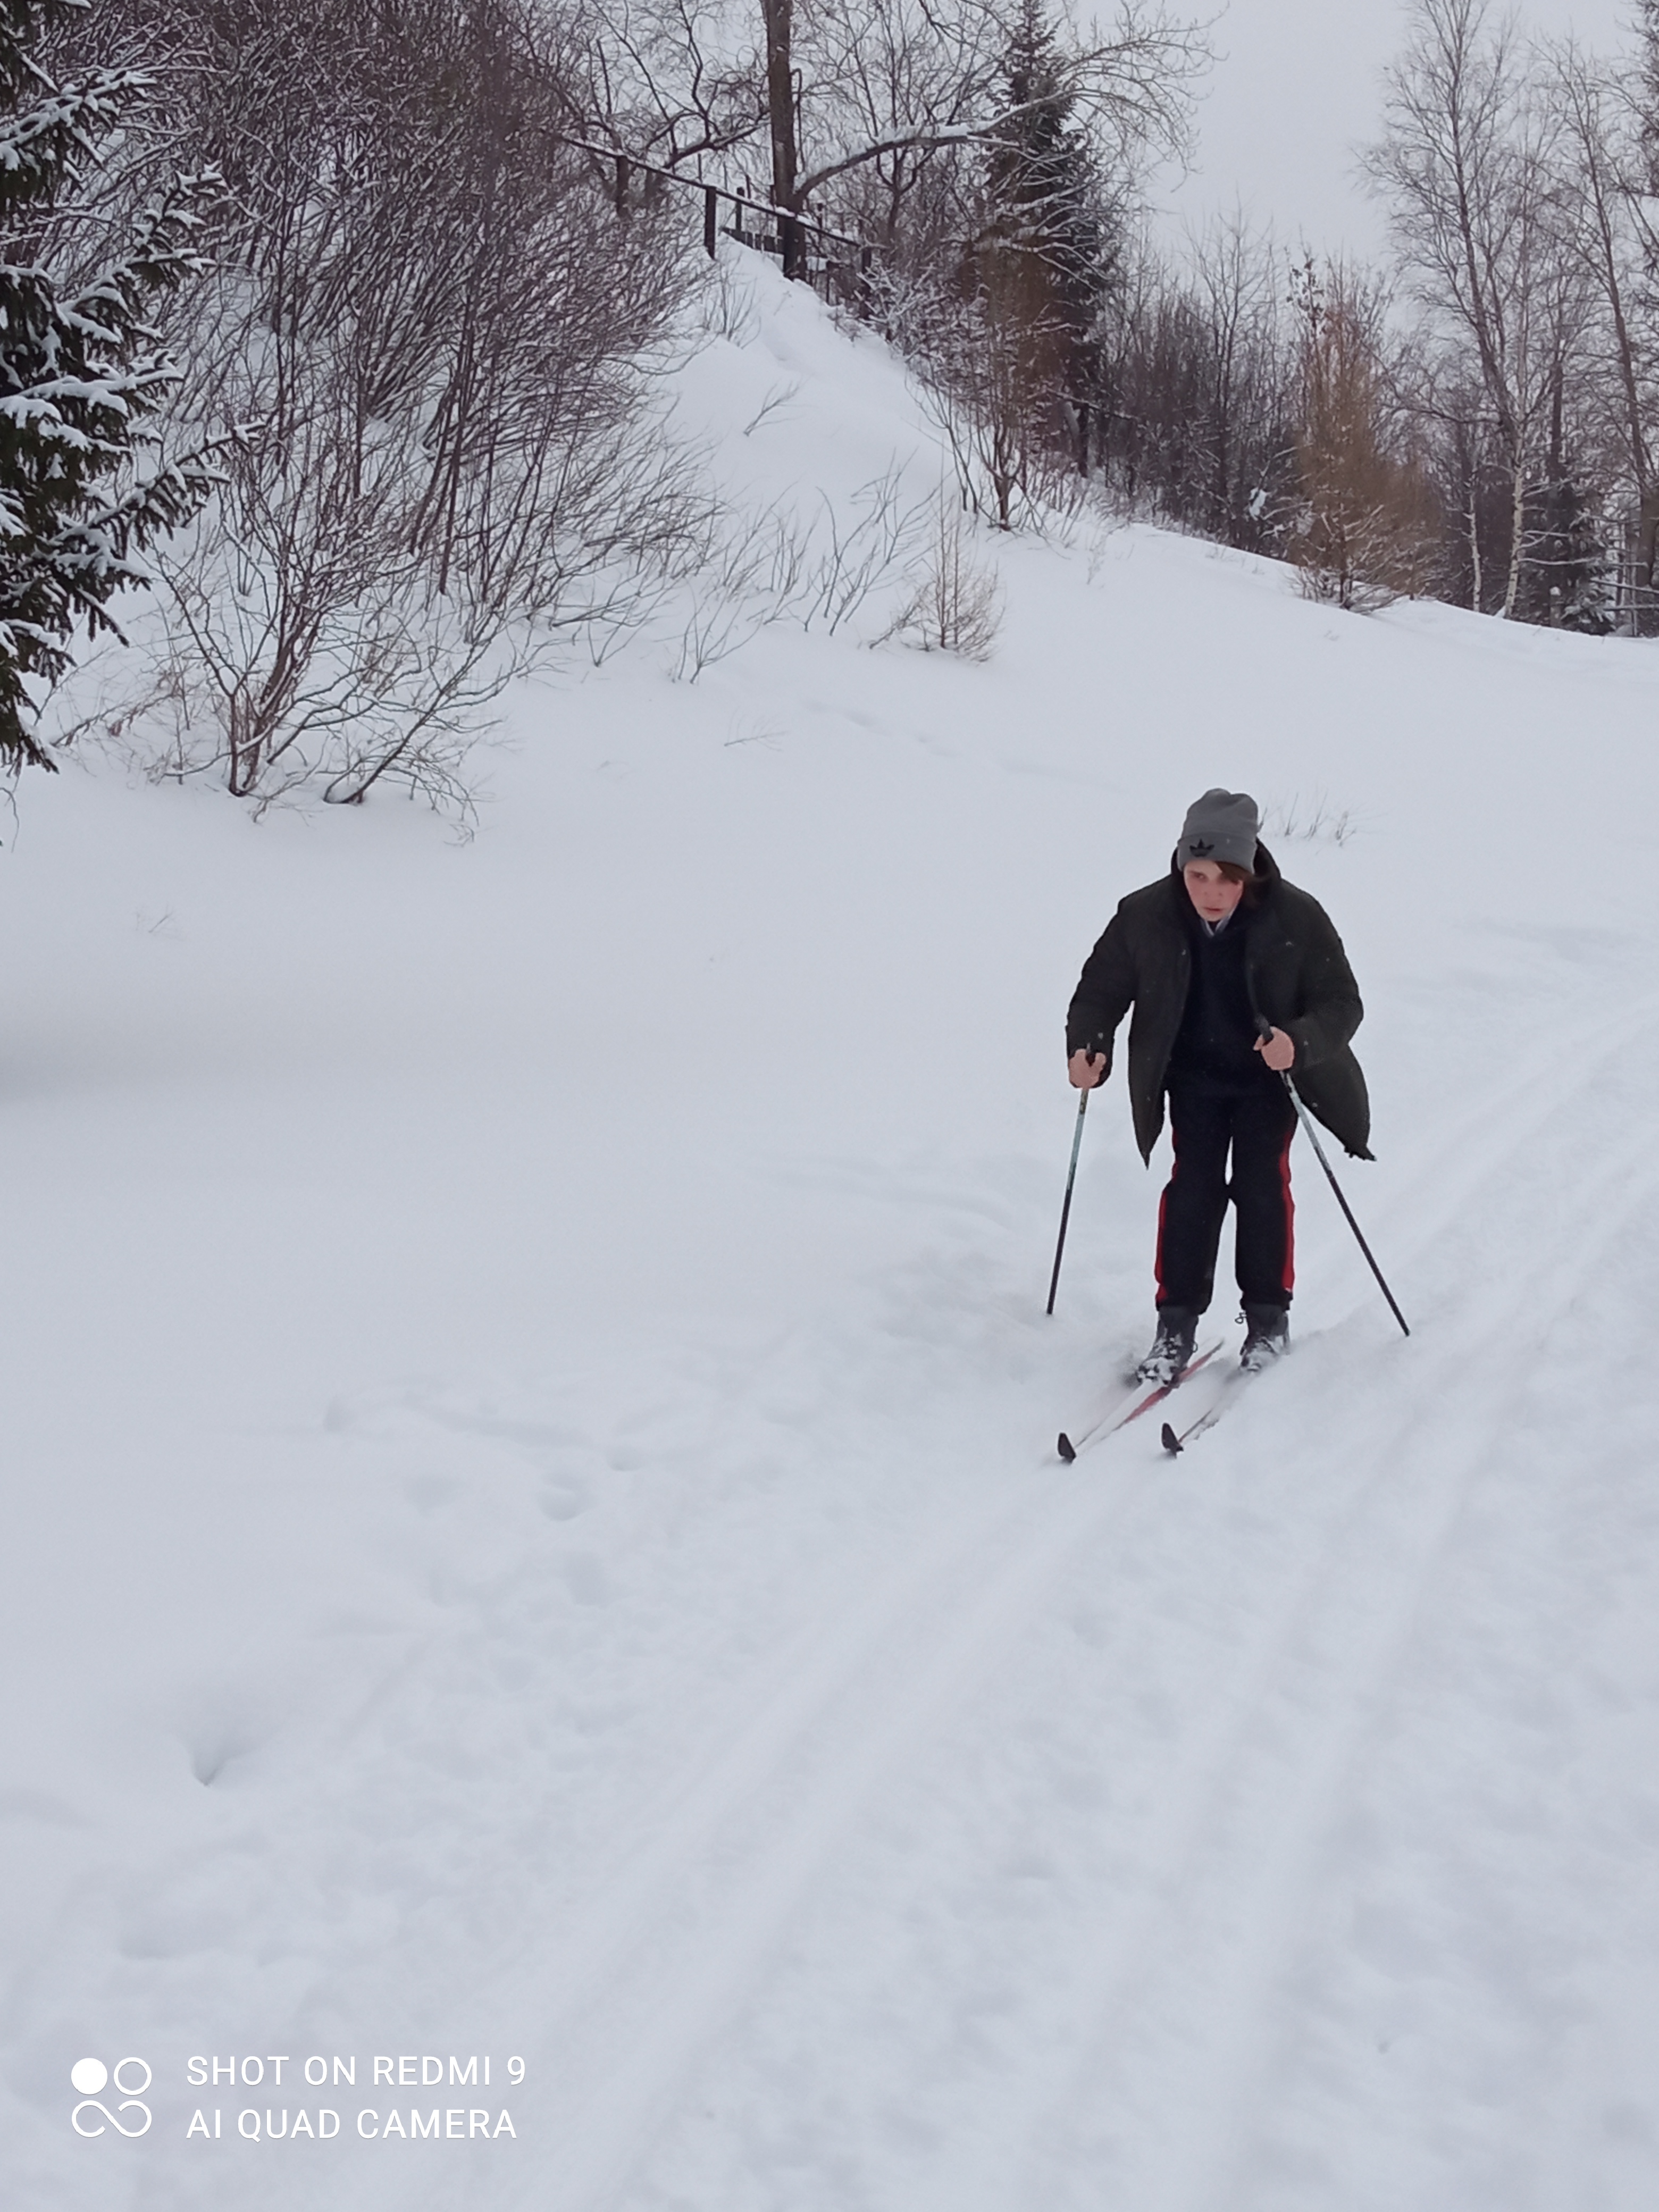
1306,1120
1065,1206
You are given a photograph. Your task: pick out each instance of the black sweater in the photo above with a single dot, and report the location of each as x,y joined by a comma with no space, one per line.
1215,1045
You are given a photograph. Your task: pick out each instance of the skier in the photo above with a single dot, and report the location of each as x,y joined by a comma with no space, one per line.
1217,950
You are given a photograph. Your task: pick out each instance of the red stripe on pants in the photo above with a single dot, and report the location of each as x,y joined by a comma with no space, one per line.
1157,1257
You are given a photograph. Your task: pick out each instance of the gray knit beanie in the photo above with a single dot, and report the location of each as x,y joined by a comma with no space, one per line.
1222,825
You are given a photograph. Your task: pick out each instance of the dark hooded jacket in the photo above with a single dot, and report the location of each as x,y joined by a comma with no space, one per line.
1296,973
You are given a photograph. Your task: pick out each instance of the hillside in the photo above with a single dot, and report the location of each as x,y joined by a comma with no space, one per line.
529,1419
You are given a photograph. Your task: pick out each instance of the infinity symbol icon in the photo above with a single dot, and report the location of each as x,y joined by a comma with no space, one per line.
88,2074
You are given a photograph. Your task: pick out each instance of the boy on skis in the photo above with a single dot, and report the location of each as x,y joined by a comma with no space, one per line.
1214,955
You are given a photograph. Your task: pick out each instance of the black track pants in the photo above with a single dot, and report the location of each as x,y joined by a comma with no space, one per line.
1255,1122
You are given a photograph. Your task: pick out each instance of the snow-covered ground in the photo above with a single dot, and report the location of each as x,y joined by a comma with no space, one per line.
532,1528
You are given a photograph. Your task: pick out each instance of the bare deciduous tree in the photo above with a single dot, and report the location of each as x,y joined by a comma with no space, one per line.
438,342
947,88
1366,523
1467,165
1195,375
1604,208
662,82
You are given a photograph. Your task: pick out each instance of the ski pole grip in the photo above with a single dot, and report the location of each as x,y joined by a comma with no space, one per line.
1265,1029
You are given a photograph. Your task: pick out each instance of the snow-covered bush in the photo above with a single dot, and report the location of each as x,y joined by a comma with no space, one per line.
957,605
817,570
437,339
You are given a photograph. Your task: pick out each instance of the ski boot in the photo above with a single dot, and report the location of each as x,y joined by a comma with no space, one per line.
1172,1347
1266,1337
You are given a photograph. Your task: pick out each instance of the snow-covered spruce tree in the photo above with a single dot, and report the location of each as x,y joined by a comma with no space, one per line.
1034,277
1046,246
1568,583
80,370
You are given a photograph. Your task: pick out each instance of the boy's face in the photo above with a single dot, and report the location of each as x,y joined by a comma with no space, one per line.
1211,892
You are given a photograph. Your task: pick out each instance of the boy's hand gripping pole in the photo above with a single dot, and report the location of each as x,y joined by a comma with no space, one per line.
1303,1116
1066,1207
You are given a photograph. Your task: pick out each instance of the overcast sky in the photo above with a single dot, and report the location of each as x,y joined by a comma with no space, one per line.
1296,90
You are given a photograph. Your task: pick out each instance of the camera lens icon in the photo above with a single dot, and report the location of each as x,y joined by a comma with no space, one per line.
88,2077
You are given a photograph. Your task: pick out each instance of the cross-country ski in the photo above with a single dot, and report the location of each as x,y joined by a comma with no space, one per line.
1176,1441
1141,1400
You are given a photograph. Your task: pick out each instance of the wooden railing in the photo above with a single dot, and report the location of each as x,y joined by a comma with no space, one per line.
833,262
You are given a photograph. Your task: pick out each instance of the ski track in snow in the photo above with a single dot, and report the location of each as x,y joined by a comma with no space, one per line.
1169,2004
725,1700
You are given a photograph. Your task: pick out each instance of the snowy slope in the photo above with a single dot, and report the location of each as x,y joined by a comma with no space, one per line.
528,1418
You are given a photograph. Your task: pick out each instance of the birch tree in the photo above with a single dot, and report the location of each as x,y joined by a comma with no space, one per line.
1466,167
